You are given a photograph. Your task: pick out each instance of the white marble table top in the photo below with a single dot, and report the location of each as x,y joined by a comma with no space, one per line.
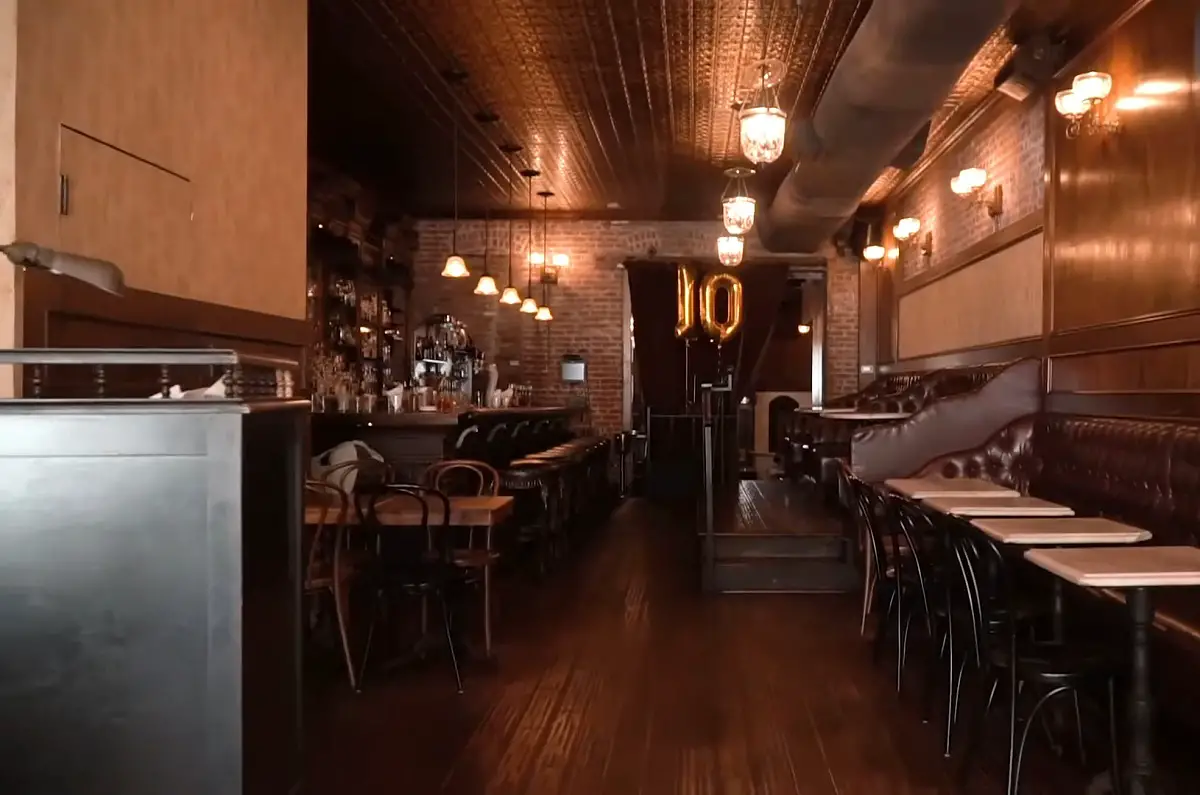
1121,567
865,415
997,506
924,488
1060,531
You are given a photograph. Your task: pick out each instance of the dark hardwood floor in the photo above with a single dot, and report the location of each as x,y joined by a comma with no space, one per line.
617,677
775,507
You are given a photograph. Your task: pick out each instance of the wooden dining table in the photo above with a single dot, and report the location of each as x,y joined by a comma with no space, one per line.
400,510
1134,570
974,507
924,488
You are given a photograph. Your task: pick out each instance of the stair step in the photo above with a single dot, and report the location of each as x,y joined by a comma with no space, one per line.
785,576
743,546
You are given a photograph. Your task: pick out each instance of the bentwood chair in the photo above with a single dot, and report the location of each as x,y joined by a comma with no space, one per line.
479,556
422,570
1032,670
330,567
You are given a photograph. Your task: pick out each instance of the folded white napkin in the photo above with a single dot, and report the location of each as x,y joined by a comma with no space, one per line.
396,390
343,479
217,390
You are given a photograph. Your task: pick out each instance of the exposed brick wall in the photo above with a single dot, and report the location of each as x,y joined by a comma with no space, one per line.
841,327
590,303
1009,144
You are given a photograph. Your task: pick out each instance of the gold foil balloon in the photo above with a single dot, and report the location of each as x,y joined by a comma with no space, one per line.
685,307
713,283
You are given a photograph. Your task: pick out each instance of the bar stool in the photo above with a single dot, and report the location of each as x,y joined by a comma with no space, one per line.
535,484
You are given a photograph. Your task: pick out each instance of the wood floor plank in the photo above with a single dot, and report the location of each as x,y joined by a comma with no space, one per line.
617,677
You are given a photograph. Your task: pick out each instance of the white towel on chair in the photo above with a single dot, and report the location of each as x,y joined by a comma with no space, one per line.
343,479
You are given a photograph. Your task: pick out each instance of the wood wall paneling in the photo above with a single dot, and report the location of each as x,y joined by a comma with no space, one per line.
1124,243
997,299
1124,328
215,92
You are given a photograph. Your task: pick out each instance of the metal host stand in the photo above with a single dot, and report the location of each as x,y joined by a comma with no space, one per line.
150,575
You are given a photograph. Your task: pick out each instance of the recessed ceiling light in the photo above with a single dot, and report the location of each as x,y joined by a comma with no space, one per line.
614,205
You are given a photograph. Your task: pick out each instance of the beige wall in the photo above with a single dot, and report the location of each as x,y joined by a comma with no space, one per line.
182,128
9,308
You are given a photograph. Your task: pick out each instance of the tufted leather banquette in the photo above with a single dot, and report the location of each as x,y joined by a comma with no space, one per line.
1143,472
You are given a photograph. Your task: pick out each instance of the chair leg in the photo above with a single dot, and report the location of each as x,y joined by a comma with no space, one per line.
1079,729
1041,702
901,634
450,640
487,611
931,679
881,630
341,610
868,596
953,698
991,683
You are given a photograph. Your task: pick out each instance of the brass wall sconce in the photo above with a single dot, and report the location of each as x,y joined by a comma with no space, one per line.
970,184
927,244
1082,105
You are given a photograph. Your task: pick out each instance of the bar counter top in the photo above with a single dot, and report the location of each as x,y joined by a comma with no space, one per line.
436,419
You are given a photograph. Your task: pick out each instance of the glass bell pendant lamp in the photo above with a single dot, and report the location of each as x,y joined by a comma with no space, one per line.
530,305
763,123
510,296
737,208
486,284
456,266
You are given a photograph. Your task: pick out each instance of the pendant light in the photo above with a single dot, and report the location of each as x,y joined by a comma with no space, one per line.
763,124
510,296
737,208
543,311
456,266
486,285
730,249
530,305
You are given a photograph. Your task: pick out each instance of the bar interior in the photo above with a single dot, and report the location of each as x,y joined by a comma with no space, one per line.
555,397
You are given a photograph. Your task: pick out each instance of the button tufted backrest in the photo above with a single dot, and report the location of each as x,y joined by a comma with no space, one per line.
1007,458
1145,472
938,384
1135,470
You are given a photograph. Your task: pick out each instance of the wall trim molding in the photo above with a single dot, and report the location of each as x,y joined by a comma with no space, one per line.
1158,330
1177,405
1003,238
46,296
1030,347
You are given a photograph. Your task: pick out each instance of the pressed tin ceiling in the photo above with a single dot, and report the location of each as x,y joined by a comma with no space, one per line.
618,102
624,105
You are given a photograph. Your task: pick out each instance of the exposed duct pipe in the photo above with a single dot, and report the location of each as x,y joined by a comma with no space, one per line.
896,72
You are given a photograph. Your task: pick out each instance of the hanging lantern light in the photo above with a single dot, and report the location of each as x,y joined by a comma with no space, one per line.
737,208
456,266
543,311
874,250
530,304
763,123
729,250
486,284
510,296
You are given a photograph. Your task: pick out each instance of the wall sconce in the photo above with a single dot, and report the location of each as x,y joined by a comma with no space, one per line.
1081,104
804,328
927,244
970,183
905,228
874,250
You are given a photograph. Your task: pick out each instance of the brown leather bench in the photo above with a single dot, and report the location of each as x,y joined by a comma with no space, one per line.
1143,472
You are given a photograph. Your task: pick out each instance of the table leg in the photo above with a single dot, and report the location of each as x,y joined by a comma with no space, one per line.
1140,773
1057,617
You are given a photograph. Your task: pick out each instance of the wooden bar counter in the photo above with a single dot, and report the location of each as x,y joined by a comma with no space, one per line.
411,441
